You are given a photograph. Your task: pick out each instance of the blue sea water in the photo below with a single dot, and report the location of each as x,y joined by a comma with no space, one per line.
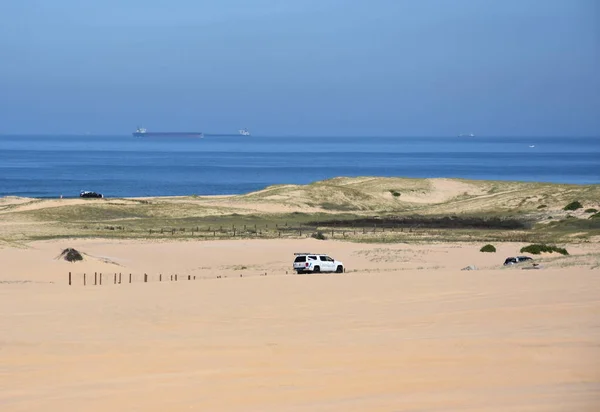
120,166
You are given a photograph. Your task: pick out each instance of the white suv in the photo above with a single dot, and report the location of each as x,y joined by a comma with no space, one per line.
316,262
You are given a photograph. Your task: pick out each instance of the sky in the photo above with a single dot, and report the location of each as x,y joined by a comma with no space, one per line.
304,67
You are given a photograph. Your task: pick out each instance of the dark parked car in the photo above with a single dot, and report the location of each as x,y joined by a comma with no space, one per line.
86,193
518,259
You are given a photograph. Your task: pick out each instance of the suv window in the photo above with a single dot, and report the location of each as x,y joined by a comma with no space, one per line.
329,259
312,258
323,258
300,259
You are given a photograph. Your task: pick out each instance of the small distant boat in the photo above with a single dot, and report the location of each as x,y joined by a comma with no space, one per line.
466,135
244,132
141,132
531,145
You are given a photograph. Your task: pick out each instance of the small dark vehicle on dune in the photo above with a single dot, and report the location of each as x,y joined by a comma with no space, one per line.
515,260
89,194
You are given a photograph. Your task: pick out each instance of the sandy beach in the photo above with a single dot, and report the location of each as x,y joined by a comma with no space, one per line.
403,329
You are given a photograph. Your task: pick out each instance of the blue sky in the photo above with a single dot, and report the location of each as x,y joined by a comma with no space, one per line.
304,67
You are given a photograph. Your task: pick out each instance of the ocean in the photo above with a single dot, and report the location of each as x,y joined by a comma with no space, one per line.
126,166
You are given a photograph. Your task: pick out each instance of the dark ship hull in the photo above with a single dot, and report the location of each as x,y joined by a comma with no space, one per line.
170,134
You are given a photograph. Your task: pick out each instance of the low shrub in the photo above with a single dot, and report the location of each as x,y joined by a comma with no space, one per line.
71,255
595,216
536,249
573,206
319,235
542,206
395,193
488,248
591,210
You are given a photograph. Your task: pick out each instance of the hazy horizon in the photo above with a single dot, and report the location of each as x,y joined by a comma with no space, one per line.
384,68
293,136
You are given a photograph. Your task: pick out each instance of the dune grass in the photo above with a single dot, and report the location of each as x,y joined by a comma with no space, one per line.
362,209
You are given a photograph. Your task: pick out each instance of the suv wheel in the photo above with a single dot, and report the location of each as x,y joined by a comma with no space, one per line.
317,269
339,269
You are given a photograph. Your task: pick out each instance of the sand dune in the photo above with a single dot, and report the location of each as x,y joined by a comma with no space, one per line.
404,329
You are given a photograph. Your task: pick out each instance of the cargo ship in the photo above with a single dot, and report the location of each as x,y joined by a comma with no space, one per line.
141,132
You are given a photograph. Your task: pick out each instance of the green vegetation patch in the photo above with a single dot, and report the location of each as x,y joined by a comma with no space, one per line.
536,249
431,222
488,248
338,206
573,223
89,213
591,210
573,205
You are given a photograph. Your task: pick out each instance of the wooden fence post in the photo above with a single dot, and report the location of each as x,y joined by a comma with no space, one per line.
84,279
130,278
176,278
100,278
160,277
145,278
115,281
189,277
171,278
69,278
119,278
95,278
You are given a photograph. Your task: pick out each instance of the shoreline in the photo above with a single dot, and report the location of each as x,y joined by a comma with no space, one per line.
272,186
